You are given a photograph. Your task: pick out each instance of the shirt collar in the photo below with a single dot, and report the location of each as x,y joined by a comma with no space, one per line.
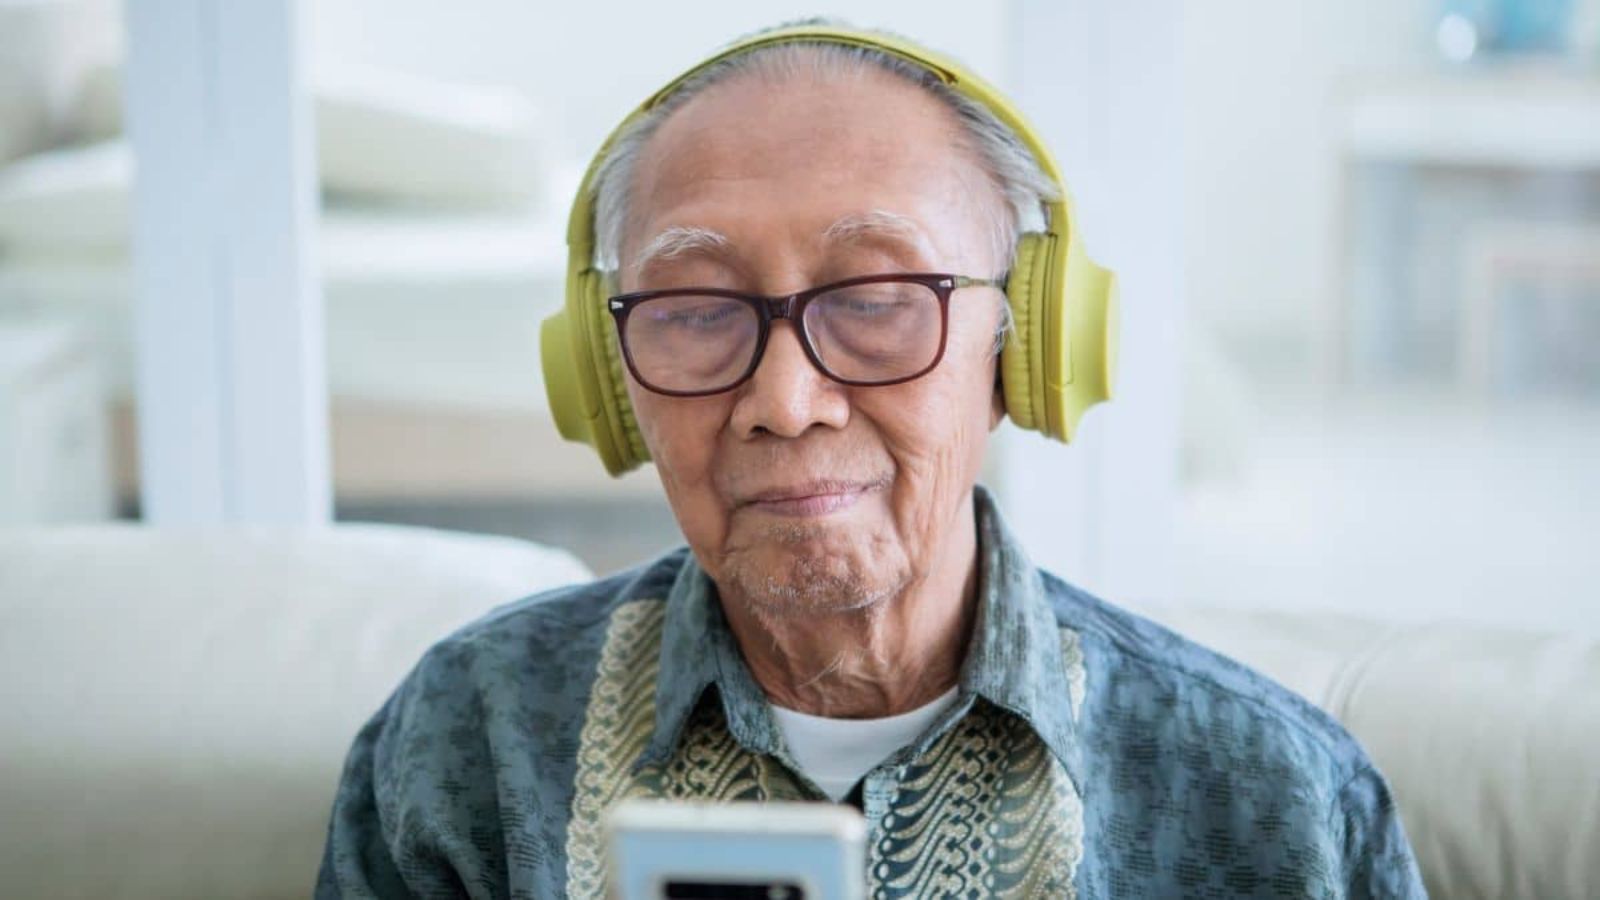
1014,659
698,650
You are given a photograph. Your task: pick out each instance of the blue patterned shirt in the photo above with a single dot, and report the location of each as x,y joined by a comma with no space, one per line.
1090,753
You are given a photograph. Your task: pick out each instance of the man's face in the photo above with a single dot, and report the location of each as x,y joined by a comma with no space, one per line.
795,492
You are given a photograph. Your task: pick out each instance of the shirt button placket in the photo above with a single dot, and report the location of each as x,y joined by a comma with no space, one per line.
877,799
877,794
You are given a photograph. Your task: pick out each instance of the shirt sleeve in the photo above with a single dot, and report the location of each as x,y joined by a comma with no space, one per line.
385,839
357,860
1378,861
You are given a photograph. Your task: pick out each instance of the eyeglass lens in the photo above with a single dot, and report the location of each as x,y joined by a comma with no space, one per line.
865,333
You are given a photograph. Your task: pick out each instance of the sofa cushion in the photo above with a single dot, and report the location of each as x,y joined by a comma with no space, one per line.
176,705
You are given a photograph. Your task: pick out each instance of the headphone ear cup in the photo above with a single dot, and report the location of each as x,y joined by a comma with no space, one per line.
1018,369
561,376
1091,321
583,376
628,440
1062,357
617,437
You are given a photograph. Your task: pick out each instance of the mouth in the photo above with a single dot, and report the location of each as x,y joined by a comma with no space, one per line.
812,498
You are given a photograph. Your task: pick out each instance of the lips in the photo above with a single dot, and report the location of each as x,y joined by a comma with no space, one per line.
812,498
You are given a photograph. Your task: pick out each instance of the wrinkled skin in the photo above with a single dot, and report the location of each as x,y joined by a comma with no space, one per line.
861,610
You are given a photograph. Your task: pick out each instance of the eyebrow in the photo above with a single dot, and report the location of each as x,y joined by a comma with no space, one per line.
681,240
689,240
902,233
873,223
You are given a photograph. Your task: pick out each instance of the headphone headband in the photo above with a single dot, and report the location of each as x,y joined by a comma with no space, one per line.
580,224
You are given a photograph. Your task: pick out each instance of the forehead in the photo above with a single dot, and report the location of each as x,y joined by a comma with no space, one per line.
762,152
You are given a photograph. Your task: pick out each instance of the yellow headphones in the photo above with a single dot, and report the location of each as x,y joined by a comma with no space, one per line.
1060,360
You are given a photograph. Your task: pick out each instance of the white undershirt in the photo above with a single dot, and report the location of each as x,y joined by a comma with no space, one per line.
836,753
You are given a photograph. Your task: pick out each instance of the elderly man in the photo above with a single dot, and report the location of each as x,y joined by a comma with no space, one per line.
851,620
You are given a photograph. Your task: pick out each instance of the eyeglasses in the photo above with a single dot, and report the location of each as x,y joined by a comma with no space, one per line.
870,331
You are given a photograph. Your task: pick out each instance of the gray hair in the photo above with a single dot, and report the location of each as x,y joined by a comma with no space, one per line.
1004,158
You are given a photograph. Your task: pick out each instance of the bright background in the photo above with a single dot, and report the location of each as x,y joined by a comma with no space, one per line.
1360,242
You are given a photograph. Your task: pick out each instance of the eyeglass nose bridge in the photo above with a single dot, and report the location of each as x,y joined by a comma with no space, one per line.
776,308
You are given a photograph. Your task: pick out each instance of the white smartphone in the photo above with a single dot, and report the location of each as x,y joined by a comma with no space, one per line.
662,850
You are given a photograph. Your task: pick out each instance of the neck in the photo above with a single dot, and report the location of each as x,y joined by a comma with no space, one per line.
891,657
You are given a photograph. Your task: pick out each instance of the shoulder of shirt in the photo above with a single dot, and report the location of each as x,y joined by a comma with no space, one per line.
1174,661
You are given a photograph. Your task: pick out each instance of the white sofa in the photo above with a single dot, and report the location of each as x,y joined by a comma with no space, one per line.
175,706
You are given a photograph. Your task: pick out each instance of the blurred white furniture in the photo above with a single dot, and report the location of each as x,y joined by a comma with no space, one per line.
442,249
176,706
47,48
1525,117
431,317
391,135
1500,253
1482,125
55,460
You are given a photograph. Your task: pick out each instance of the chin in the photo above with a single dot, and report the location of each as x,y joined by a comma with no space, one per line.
808,574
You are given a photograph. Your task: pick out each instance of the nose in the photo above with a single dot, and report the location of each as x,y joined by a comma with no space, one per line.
787,395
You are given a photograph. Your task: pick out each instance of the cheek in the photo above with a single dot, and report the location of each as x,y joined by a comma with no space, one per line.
682,436
936,435
949,418
934,439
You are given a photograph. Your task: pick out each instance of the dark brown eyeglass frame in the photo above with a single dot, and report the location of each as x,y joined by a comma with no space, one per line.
793,308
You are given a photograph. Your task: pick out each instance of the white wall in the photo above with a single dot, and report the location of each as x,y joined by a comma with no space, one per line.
1260,84
588,64
1374,500
1102,84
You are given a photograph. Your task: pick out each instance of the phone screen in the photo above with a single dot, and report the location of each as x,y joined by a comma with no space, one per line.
750,890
